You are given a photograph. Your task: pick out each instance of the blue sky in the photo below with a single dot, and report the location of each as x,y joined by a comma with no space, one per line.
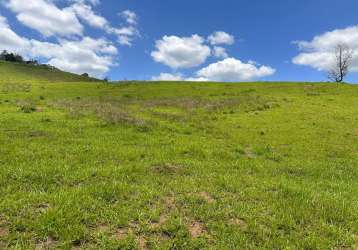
141,39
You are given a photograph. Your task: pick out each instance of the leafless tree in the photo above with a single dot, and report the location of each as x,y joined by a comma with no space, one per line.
343,60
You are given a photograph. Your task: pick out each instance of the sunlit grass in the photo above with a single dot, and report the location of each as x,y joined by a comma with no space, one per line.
178,165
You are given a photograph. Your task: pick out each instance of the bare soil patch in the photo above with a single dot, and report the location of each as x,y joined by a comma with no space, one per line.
196,229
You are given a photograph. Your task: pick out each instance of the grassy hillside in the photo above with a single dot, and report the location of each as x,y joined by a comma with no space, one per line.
178,165
20,73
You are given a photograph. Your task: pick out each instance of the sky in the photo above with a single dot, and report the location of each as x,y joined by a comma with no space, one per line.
195,40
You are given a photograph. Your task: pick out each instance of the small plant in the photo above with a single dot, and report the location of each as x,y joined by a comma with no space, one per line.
28,108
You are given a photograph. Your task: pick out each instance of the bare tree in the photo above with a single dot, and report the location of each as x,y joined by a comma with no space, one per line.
343,60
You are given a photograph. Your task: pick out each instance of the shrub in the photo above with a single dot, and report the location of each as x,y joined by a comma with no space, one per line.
28,108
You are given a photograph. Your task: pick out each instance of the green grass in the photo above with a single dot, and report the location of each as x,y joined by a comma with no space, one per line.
22,73
177,165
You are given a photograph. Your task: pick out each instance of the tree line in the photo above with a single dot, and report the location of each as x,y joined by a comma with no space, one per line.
13,57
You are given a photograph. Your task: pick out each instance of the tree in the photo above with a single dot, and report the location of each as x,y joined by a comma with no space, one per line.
3,55
343,61
11,57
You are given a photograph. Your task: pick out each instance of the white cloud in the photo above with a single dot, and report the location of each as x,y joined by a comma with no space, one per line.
46,17
86,13
232,69
221,37
88,55
125,35
220,52
9,40
167,77
319,53
93,56
130,16
92,2
181,52
197,79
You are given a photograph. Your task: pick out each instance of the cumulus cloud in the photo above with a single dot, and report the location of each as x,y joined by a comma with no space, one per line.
319,53
181,52
220,52
221,37
167,77
227,70
45,17
232,69
87,55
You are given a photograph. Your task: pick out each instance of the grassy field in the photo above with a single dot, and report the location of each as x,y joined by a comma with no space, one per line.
22,73
176,165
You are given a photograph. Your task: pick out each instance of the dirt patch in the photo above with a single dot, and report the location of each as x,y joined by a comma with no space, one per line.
50,243
196,229
35,134
206,196
42,208
157,224
168,169
342,248
142,243
103,228
4,231
169,201
250,153
238,222
121,233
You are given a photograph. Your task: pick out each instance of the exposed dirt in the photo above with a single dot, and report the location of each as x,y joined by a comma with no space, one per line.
207,197
50,243
196,229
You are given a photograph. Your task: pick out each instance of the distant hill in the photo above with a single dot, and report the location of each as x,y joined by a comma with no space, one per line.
18,72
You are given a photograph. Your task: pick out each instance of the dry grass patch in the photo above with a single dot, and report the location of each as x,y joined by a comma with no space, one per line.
4,229
168,169
206,196
238,222
111,112
142,243
169,202
49,243
16,87
122,233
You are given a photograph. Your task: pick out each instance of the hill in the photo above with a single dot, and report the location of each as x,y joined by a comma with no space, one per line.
177,165
19,73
